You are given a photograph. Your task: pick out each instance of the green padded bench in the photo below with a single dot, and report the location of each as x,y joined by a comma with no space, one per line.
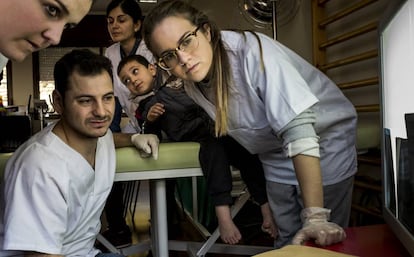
174,160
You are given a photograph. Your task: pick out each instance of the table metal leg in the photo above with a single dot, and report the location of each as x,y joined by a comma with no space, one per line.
159,229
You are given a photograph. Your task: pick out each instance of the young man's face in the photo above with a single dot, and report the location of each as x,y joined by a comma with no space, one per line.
88,106
137,77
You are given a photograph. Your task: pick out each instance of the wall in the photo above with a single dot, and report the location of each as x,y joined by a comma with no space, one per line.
336,58
296,34
22,81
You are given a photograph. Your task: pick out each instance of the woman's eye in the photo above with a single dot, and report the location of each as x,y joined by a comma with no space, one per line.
168,57
52,11
186,42
122,20
135,71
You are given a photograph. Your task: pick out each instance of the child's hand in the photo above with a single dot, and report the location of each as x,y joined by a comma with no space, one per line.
155,112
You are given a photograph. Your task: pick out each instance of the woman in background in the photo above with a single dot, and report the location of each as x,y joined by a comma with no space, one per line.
282,108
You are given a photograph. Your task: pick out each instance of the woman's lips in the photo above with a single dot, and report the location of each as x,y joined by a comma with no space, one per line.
192,68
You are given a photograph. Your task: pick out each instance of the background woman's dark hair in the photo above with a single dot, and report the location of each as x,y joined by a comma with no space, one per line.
84,62
130,7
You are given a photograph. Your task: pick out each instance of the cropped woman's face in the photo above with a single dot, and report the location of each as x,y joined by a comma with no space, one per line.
178,37
121,26
31,25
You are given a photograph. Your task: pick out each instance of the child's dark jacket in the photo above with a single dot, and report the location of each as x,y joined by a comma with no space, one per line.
183,119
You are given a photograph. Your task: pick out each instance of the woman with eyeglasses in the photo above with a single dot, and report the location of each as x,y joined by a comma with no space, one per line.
275,104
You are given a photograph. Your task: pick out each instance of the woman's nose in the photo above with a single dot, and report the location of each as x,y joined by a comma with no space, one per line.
183,57
114,24
54,33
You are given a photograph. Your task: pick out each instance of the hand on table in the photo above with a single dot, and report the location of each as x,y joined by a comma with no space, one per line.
316,226
147,144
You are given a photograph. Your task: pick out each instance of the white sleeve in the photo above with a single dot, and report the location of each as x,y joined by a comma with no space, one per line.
278,83
306,146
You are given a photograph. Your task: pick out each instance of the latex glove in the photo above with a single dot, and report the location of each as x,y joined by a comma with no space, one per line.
317,227
147,144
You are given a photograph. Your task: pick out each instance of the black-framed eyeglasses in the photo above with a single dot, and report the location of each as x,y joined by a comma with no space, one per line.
187,44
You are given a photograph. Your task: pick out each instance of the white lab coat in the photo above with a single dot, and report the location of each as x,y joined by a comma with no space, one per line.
265,99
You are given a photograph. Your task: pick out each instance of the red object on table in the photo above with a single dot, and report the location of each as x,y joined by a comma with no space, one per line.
369,241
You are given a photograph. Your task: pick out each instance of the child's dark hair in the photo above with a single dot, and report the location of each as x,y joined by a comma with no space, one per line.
137,58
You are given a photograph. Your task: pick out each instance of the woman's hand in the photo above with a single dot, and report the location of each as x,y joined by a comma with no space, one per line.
317,227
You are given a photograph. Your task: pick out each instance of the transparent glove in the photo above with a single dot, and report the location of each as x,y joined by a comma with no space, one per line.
147,144
317,227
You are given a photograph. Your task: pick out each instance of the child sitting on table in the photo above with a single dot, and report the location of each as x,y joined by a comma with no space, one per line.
165,106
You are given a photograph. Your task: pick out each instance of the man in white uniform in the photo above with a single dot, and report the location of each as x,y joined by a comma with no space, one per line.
56,184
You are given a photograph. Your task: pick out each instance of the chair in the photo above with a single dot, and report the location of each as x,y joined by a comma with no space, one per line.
14,130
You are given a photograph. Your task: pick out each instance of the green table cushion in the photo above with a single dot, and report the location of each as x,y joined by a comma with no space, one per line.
180,155
174,155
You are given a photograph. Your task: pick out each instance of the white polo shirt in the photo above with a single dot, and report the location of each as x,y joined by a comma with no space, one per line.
51,198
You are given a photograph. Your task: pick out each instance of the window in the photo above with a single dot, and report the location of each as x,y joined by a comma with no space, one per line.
3,86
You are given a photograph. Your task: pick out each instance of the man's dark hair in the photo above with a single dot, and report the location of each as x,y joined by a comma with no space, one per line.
84,62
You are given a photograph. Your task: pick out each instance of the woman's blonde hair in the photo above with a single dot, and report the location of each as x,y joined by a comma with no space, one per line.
220,71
